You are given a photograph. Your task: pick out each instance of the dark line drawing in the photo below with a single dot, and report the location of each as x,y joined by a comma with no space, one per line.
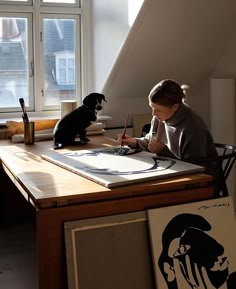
188,250
168,163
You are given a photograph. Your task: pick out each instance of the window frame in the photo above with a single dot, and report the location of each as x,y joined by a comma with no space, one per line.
7,2
36,8
49,4
78,88
30,57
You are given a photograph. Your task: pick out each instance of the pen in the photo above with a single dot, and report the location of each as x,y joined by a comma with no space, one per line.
154,134
124,132
24,116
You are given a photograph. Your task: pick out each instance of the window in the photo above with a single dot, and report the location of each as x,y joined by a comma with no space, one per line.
39,54
10,1
15,60
59,52
59,1
65,66
16,2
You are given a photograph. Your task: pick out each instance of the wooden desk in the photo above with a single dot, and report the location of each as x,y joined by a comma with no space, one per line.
59,195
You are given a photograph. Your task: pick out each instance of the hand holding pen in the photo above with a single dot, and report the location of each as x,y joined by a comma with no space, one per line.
124,139
154,145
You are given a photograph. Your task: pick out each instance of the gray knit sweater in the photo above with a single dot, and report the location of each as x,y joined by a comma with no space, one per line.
187,138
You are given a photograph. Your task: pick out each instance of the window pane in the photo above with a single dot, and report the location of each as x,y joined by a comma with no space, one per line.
71,76
59,48
14,78
71,62
62,76
60,1
62,62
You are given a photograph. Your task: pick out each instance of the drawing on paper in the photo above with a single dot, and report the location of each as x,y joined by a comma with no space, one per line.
117,166
192,245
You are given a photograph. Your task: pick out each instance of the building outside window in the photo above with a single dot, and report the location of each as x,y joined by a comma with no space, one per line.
65,69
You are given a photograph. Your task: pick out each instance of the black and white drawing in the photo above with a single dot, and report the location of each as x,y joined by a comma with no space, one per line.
194,245
116,166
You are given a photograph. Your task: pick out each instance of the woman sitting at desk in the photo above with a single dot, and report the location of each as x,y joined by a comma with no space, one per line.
177,132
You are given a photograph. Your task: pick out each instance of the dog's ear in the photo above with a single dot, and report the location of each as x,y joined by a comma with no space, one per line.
103,97
86,100
90,100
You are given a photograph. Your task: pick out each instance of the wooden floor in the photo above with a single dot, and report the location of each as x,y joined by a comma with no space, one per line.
18,256
18,249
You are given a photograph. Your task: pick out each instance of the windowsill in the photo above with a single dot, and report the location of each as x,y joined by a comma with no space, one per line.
100,118
4,129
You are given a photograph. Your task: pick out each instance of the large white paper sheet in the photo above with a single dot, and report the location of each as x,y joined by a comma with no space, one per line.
113,166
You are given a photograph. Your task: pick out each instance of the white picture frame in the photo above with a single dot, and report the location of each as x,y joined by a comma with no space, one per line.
109,252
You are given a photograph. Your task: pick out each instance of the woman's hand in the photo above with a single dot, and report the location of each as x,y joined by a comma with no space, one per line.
126,140
154,146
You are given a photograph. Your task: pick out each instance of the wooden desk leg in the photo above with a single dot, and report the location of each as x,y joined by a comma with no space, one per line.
51,251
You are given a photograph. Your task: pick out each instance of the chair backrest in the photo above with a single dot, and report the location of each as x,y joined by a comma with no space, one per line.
227,157
145,129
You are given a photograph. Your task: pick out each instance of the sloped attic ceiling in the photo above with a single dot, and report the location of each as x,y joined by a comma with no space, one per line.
170,39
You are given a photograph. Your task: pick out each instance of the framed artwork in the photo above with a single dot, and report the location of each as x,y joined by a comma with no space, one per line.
117,166
193,245
109,252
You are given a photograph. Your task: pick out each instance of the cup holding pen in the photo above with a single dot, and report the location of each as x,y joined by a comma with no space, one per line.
28,132
28,125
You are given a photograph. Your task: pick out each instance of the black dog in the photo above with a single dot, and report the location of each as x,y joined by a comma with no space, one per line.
75,123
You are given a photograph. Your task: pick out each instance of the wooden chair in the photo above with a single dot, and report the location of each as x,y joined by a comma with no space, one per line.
227,157
139,120
145,129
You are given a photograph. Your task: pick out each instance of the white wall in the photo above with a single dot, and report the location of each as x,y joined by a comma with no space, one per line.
181,39
225,65
109,26
226,68
191,41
